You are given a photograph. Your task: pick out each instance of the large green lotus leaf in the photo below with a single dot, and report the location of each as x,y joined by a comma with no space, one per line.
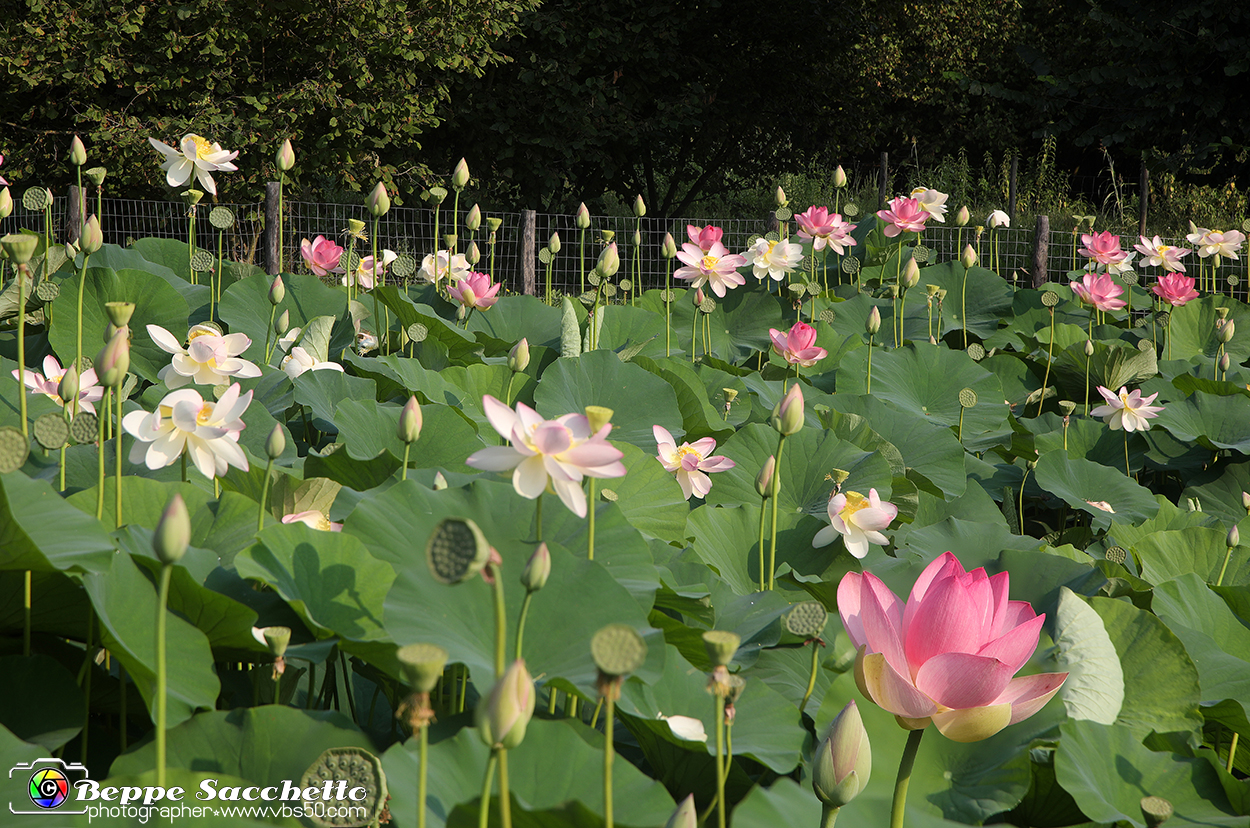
851,316
369,429
263,745
973,505
245,309
135,258
727,539
14,750
985,295
650,497
1201,550
926,381
1087,438
973,542
329,578
409,374
559,761
39,531
1095,687
358,475
1029,315
58,604
144,500
1216,639
1214,422
1161,690
789,803
639,398
156,303
323,391
125,603
1170,516
478,380
788,669
699,418
1219,490
461,347
1081,483
739,324
1040,577
39,700
809,456
1017,377
515,317
1107,770
631,330
1113,365
1193,331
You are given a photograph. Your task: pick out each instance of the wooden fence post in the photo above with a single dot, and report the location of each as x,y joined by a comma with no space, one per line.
1041,248
273,228
77,217
883,182
528,252
1011,187
1145,197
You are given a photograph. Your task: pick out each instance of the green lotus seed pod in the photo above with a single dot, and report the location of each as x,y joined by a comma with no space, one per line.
721,646
417,332
14,449
537,569
277,639
493,224
609,495
967,398
358,768
842,762
378,202
1050,299
173,532
456,551
192,197
598,417
976,351
119,313
618,650
1067,407
806,619
435,195
275,444
1116,554
51,431
84,428
421,665
19,247
1155,810
96,175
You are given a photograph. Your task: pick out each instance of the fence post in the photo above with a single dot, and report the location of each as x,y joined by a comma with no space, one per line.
76,218
883,182
528,251
1145,197
1011,187
273,231
1041,248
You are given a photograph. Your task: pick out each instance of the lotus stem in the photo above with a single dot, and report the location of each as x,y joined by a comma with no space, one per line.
281,219
26,608
609,752
1024,480
590,515
273,310
505,797
772,550
668,316
264,489
900,326
22,272
99,496
377,317
1228,553
763,515
1127,471
507,395
1088,359
904,778
581,261
86,678
312,684
720,758
82,283
403,473
1050,349
118,438
501,619
694,327
423,752
191,246
828,816
963,299
162,703
483,814
811,679
1232,751
960,435
520,624
868,381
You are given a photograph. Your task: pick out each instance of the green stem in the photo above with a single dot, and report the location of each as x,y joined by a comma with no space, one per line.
720,759
694,327
191,246
538,517
1050,349
963,299
960,436
403,474
772,547
501,620
868,382
520,624
1232,751
377,318
214,290
1087,361
22,272
162,703
464,688
590,514
1023,480
423,753
811,679
1218,581
483,814
26,608
828,816
264,494
668,315
507,395
281,238
505,797
82,283
347,685
609,752
118,437
86,680
99,497
312,685
763,517
1127,471
900,327
904,777
277,689
582,263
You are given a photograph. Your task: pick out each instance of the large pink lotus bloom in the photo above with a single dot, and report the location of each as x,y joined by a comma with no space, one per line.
561,452
798,345
1175,289
858,519
1131,412
825,229
716,267
1099,290
690,462
1103,248
49,383
1158,254
475,291
950,655
704,237
904,216
321,255
363,277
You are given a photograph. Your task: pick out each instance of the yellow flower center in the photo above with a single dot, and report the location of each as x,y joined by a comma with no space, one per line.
709,262
204,414
202,148
196,332
1124,400
854,502
684,450
1163,248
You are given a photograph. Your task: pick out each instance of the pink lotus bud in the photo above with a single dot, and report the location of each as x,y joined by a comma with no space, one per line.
67,389
698,297
378,202
460,175
537,570
410,421
686,815
839,177
473,219
92,238
969,257
780,195
285,159
582,220
669,249
277,291
275,444
963,216
519,356
113,361
6,203
609,261
77,152
504,713
173,532
788,415
874,320
640,207
843,760
1245,497
553,244
911,274
764,480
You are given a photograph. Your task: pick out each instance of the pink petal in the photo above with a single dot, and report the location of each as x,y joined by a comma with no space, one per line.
552,438
1015,646
571,495
495,458
719,463
960,680
1029,694
502,418
881,683
880,618
849,607
530,477
974,724
593,453
663,437
947,621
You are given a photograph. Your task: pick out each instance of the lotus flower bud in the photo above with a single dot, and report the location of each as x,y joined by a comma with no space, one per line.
440,482
1225,362
275,443
598,416
963,216
96,175
277,639
874,320
839,177
969,257
192,197
553,244
277,291
113,361
77,152
1245,497
538,570
698,297
92,238
283,323
504,713
911,274
669,248
764,480
119,313
640,207
1233,539
410,421
473,219
519,356
460,175
19,247
67,388
686,815
378,202
637,239
609,261
843,760
173,532
6,203
582,220
1089,347
721,646
285,157
473,255
1226,332
788,415
780,195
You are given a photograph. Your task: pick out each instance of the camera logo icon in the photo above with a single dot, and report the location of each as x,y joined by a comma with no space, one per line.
48,784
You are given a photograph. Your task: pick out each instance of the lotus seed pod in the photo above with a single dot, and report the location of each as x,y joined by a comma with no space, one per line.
1222,313
519,356
450,239
967,398
731,394
410,421
277,291
969,257
780,196
839,476
874,320
283,323
1089,347
842,763
6,203
963,217
669,248
277,639
435,195
14,449
607,235
764,480
473,219
609,261
67,389
19,247
598,417
473,255
440,482
1234,538
911,274
96,175
618,650
77,152
806,619
788,416
51,431
355,227
113,361
839,177
721,646
173,532
686,815
1226,332
456,551
285,157
192,197
1116,554
378,203
357,770
493,224
582,220
504,713
1155,810
275,443
537,569
421,665
119,313
553,244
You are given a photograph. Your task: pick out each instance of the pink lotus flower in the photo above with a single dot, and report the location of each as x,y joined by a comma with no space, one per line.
48,383
690,461
475,291
315,519
321,255
1226,245
560,452
1162,255
825,229
904,216
363,277
1102,248
950,654
704,237
859,520
209,358
1100,291
798,345
1131,412
716,267
1175,289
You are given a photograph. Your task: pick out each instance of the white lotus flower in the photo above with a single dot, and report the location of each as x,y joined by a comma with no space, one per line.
446,266
774,258
932,202
209,358
184,421
859,520
299,361
685,727
195,157
999,219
